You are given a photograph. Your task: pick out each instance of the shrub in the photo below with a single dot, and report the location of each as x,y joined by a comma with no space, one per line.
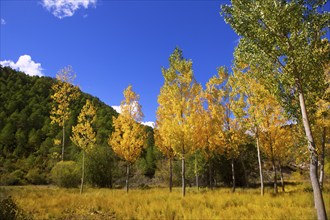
35,176
14,178
100,165
66,174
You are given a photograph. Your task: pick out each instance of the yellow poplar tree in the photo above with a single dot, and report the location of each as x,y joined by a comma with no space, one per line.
256,100
181,90
271,135
286,144
164,144
83,134
129,135
64,92
199,125
210,121
232,136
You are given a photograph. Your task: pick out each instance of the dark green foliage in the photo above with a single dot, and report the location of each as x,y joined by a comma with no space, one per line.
149,155
14,178
162,173
36,176
26,135
66,174
100,165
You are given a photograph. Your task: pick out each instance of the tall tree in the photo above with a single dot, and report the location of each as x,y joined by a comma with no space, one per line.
233,135
257,100
284,39
64,92
83,134
163,132
181,91
128,139
210,123
271,134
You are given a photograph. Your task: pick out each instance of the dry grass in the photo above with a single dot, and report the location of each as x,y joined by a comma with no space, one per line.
44,202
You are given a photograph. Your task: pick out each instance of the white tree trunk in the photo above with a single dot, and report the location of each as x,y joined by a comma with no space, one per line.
82,173
63,139
322,158
318,197
233,175
262,190
183,175
127,177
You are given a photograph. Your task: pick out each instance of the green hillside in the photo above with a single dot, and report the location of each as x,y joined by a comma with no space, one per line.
27,149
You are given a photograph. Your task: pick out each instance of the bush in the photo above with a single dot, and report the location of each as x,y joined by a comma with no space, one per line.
100,165
66,174
35,176
14,178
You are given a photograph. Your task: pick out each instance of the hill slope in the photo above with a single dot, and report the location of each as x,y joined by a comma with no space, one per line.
26,135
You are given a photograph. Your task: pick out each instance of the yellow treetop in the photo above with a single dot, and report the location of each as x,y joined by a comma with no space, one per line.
128,138
176,105
64,92
83,134
211,118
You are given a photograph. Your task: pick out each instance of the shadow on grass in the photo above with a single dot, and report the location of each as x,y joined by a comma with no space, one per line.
10,211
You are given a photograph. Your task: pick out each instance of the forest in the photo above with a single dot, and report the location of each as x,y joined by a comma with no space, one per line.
259,129
29,150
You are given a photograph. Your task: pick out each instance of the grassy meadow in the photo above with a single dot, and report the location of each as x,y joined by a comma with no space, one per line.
49,202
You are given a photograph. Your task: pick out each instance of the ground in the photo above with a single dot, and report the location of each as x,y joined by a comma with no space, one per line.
49,202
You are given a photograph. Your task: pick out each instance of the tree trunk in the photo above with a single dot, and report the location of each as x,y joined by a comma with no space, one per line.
233,174
196,173
322,158
275,175
171,175
281,173
127,177
260,165
210,175
82,173
318,197
63,140
183,177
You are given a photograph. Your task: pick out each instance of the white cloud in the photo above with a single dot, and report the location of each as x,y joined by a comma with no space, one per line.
66,8
149,123
117,108
3,22
24,64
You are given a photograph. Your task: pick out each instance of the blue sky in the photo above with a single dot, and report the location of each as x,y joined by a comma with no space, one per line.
111,44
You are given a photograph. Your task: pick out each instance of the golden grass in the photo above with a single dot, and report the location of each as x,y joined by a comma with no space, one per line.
44,202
